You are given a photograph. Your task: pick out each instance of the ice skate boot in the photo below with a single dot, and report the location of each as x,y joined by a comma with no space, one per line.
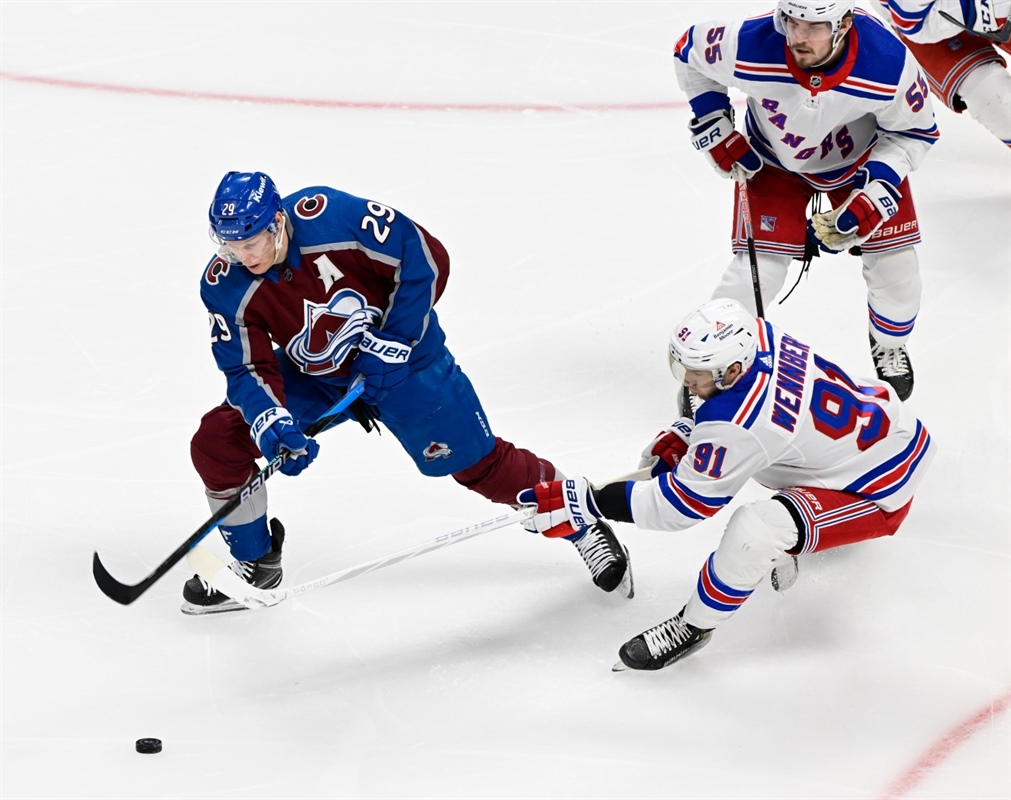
265,573
894,367
662,645
606,558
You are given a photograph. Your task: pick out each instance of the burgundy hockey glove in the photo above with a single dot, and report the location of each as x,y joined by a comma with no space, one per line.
275,431
725,148
563,507
665,452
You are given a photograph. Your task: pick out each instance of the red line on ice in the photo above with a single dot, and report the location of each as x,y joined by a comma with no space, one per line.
945,746
64,83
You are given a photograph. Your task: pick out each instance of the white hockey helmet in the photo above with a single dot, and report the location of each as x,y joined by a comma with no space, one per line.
831,11
715,335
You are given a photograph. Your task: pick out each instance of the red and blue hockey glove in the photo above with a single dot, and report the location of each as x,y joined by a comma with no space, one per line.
275,431
856,220
382,363
727,150
665,452
563,507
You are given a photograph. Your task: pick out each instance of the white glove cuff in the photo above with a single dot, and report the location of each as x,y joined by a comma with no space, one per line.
385,350
265,420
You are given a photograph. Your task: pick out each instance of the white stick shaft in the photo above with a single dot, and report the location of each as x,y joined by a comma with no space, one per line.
213,570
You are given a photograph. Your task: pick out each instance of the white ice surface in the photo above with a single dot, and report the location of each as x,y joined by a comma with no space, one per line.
578,236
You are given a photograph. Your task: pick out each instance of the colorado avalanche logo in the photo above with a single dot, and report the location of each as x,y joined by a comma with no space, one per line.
330,332
437,450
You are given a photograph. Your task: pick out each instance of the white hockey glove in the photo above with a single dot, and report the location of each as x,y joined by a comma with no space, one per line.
728,151
563,507
665,452
856,220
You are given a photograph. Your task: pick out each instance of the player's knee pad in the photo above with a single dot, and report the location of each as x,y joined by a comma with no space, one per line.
737,284
986,92
894,276
222,451
756,535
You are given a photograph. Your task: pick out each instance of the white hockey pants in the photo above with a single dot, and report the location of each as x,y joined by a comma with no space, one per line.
757,536
986,92
893,288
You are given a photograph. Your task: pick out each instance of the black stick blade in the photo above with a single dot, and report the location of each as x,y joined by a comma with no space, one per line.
113,589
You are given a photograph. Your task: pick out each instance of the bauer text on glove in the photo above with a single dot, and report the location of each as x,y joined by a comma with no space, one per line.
382,363
725,147
562,507
274,432
856,220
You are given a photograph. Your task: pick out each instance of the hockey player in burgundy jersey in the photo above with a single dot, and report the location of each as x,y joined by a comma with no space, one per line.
958,43
843,456
307,296
835,105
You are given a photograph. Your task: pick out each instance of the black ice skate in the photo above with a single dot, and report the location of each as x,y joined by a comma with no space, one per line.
894,367
607,559
264,573
662,645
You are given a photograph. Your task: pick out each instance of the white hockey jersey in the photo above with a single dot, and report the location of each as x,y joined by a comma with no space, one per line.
874,106
921,20
794,419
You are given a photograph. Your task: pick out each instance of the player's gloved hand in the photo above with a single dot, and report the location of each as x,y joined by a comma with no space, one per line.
856,220
563,507
274,432
382,363
725,148
665,452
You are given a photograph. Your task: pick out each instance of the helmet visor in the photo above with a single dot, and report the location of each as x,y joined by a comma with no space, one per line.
677,369
808,31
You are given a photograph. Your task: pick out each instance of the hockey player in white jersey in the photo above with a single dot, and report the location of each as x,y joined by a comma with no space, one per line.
958,44
843,457
835,105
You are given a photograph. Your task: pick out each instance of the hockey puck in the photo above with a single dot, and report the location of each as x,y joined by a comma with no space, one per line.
149,745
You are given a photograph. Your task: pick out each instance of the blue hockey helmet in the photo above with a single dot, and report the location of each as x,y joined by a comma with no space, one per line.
244,204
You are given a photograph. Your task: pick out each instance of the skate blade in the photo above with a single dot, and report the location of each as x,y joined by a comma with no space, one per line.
193,610
619,667
785,575
627,585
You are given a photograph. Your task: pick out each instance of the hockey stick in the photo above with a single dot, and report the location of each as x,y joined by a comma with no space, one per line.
1001,36
125,593
213,570
745,205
